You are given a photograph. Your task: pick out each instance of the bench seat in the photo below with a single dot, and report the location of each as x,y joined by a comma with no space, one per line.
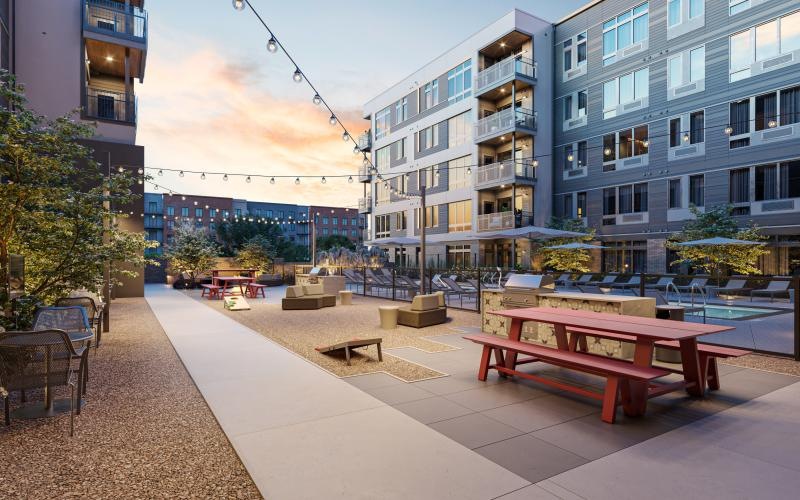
213,290
617,373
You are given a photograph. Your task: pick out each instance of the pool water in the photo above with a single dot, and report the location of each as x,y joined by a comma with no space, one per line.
733,312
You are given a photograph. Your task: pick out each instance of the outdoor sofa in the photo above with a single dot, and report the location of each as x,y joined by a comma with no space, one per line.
425,310
306,297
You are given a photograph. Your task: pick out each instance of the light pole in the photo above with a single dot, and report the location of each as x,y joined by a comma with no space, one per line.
423,223
314,239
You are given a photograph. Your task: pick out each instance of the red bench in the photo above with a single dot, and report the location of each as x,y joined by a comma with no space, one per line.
617,373
708,353
213,291
254,288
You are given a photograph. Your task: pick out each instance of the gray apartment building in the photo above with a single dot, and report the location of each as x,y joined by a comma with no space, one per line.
626,114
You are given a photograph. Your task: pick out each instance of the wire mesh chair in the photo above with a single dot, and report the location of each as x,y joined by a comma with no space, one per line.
93,313
35,360
68,319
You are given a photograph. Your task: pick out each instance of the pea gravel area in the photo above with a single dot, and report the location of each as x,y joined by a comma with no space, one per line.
302,331
145,432
767,363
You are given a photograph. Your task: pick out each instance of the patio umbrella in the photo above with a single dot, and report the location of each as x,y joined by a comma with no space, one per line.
396,241
532,232
717,240
574,246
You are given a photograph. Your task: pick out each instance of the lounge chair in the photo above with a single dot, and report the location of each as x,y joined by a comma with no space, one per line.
732,288
607,280
633,281
696,283
661,284
582,280
563,279
457,289
425,310
774,288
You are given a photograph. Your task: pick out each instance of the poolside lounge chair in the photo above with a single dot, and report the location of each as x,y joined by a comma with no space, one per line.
582,280
732,288
661,284
774,288
457,289
607,280
633,281
696,283
425,310
563,279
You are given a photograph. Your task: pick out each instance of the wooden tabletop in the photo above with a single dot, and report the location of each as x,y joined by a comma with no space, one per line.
659,329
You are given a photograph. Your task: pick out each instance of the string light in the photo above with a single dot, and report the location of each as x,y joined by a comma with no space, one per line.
180,174
140,171
350,180
272,45
535,163
160,172
120,169
297,76
317,99
323,180
248,179
203,176
297,180
225,177
332,120
345,138
728,130
272,180
772,124
685,137
570,157
238,5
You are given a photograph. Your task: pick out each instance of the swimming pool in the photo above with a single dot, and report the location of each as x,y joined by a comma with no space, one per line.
722,311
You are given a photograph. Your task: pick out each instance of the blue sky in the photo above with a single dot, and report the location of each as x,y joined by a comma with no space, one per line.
214,99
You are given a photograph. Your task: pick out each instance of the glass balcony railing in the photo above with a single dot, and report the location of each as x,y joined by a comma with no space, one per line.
109,105
499,221
365,141
507,120
503,71
363,174
505,172
365,205
112,18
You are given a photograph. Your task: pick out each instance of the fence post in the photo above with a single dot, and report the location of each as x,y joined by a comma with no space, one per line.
394,294
364,286
642,277
797,318
478,298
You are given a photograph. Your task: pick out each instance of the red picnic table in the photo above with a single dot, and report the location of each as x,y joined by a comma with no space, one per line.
231,281
645,332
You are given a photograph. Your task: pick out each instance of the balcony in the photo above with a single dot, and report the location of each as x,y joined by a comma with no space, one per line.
507,172
504,122
109,105
499,221
153,221
366,235
511,68
109,17
365,205
365,141
363,174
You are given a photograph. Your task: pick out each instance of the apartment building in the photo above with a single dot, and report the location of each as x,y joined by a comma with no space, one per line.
338,221
473,125
665,104
87,55
292,218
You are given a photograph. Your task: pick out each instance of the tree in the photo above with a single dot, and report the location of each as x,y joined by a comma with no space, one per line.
257,253
335,241
232,235
56,205
567,260
192,252
718,222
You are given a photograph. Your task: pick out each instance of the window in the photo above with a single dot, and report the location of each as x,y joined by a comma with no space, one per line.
383,158
184,211
344,221
575,105
673,13
566,210
625,144
626,29
675,132
697,127
170,211
697,190
740,185
431,216
382,226
428,138
399,149
777,182
152,207
334,231
430,95
457,176
678,135
631,198
569,157
401,110
574,51
790,106
459,81
238,212
610,201
353,233
225,214
324,231
625,89
581,204
762,42
382,123
740,117
353,221
675,193
458,130
198,212
324,219
212,212
679,11
400,221
583,154
458,256
459,216
335,220
737,6
429,175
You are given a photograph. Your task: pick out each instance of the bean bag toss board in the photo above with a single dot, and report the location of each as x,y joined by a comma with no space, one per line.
351,344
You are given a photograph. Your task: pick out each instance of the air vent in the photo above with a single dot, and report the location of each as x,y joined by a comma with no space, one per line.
775,206
686,151
686,88
632,218
777,134
784,59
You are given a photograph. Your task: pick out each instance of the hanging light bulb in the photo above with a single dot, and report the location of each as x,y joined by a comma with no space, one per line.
272,180
120,169
772,124
570,157
350,180
183,198
345,137
238,4
297,76
535,163
385,185
728,130
272,45
297,180
365,162
685,137
180,174
140,182
203,176
155,187
248,179
356,150
140,171
323,180
607,151
160,172
469,170
225,177
332,120
317,99
645,143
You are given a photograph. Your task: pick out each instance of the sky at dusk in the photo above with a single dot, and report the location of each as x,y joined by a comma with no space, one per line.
215,100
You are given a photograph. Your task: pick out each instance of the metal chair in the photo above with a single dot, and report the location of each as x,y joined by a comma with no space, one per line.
68,319
34,360
93,313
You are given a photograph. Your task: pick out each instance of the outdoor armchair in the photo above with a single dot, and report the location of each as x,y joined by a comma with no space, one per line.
696,283
68,319
424,310
93,312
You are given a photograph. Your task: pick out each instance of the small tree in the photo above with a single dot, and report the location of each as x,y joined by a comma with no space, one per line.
192,252
718,222
258,253
335,241
567,260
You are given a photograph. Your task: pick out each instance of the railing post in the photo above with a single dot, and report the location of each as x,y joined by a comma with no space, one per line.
364,286
642,277
394,289
478,298
797,318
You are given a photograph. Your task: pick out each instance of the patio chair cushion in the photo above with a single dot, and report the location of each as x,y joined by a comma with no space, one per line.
425,302
440,296
314,289
294,292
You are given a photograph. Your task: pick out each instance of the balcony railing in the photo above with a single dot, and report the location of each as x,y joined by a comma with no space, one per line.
110,17
153,221
365,141
505,121
502,71
504,220
366,234
505,172
365,205
363,174
108,105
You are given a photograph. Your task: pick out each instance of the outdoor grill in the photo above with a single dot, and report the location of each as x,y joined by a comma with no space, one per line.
521,289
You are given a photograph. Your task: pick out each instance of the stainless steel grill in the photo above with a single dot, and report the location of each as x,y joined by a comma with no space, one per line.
521,289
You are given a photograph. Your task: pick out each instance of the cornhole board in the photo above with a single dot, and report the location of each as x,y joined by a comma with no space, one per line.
236,303
351,344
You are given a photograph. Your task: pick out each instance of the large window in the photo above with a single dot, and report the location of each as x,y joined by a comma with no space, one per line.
383,158
687,67
459,216
400,221
778,181
383,122
382,227
430,175
430,95
627,199
457,176
431,216
675,193
693,133
625,89
574,51
458,130
740,185
575,105
624,144
697,190
628,28
765,41
401,110
399,149
779,108
458,256
459,81
428,138
679,11
581,204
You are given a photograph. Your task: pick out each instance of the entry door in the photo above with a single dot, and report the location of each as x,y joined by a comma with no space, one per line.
488,207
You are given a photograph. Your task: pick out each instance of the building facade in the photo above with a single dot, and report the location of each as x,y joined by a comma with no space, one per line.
338,221
668,104
291,218
87,55
473,126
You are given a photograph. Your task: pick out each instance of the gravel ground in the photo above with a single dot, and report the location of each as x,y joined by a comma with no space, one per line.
146,431
302,331
767,363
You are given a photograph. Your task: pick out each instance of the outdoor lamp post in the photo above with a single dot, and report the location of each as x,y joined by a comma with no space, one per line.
423,223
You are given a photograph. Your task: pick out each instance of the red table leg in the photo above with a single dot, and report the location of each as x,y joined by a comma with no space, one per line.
691,367
514,333
637,391
560,332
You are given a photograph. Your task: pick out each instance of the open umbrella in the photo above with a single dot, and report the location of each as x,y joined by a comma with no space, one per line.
532,232
717,240
574,246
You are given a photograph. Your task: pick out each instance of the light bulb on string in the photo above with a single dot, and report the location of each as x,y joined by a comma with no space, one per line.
728,130
332,120
160,172
365,162
203,176
225,177
248,180
685,137
323,180
297,180
238,5
469,170
272,45
140,182
272,180
350,180
140,171
120,169
297,76
345,137
356,150
317,99
570,157
183,198
180,174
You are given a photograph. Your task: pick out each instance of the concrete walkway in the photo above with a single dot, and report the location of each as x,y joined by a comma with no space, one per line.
302,433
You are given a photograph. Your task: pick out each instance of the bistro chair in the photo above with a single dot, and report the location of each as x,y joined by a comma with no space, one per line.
93,313
68,319
35,360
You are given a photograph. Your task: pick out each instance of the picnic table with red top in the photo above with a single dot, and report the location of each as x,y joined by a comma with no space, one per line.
215,273
225,281
643,332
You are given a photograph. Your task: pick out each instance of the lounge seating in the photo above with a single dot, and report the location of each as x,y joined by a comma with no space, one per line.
775,288
582,280
425,310
562,280
607,280
634,281
270,280
696,283
457,289
732,288
304,297
661,284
